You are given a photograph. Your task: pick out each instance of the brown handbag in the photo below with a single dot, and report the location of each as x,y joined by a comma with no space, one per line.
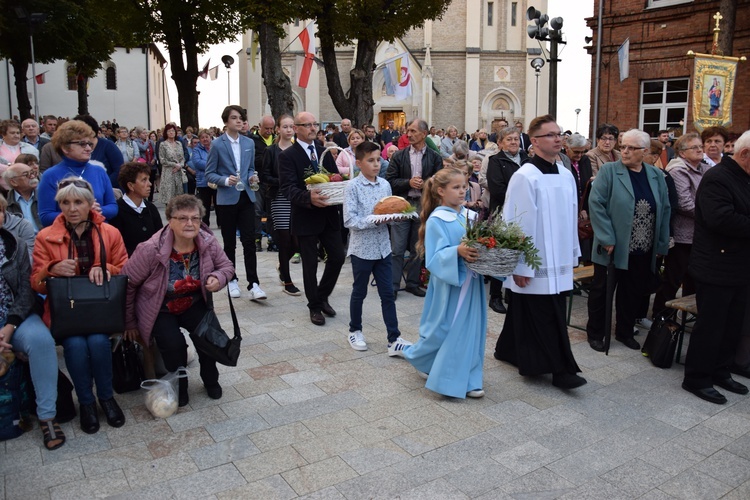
585,231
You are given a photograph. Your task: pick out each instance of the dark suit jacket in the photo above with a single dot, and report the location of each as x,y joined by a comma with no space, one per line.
399,169
500,168
307,219
525,141
260,149
341,140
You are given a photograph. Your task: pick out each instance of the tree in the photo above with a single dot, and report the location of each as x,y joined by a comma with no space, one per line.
369,23
278,86
188,29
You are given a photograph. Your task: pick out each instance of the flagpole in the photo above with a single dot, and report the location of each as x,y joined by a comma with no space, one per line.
295,38
33,72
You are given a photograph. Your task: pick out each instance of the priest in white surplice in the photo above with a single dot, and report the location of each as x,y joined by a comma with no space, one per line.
542,198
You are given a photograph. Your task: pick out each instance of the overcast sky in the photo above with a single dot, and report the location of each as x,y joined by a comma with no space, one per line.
574,72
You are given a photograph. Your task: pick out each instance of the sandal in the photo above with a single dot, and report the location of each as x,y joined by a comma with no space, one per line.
52,433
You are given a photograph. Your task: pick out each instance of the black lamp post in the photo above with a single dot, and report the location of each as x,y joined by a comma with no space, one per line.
32,20
228,61
537,63
552,34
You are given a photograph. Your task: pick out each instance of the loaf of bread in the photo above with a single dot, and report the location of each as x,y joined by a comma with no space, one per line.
391,205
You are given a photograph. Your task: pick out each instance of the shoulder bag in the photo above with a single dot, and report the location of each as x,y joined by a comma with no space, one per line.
80,307
127,366
209,338
661,342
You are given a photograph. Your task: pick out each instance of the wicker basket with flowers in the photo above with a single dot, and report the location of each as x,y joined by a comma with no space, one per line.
500,244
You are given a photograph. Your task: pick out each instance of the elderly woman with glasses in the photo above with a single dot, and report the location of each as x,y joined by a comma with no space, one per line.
686,170
629,211
70,247
604,152
171,278
73,141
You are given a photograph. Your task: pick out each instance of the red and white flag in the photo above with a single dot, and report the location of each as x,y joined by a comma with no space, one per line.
204,73
305,63
40,78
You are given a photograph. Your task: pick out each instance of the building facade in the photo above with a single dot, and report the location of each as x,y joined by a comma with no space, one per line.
657,93
131,87
469,69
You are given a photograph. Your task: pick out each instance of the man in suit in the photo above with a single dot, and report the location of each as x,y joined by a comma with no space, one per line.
407,171
30,129
525,140
262,139
313,219
231,161
342,138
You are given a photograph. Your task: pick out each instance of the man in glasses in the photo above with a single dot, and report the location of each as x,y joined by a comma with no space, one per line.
535,336
313,219
231,166
22,197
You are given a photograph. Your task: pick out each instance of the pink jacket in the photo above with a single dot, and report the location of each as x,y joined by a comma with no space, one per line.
148,273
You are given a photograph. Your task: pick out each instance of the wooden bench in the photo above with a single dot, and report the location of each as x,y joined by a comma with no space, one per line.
582,277
684,306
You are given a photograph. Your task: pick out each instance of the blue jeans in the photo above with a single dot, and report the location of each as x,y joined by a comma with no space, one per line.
381,271
89,360
33,338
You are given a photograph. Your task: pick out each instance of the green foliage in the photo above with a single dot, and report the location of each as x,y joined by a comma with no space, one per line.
498,233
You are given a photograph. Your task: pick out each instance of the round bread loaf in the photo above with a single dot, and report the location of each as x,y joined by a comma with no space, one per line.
391,205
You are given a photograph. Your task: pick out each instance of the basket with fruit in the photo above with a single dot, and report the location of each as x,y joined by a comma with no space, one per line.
332,185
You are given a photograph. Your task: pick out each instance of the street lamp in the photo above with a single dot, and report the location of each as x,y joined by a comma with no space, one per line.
578,111
32,20
228,61
552,34
537,64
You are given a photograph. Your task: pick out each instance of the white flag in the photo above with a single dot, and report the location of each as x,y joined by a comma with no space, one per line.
623,55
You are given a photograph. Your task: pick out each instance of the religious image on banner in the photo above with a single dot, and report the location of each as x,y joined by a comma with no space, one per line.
713,91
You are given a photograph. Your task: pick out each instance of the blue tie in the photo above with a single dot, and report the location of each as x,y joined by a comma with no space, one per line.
313,158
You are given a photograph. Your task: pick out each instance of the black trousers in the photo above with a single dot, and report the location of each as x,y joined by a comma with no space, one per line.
675,275
318,293
721,311
172,345
208,197
632,285
240,216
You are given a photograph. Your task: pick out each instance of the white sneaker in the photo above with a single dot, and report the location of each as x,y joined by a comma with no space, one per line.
643,323
357,341
476,393
396,348
256,293
234,289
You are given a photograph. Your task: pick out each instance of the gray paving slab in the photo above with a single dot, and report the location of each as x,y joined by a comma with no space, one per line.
305,416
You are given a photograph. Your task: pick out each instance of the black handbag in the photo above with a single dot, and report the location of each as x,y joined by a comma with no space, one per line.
210,339
79,307
661,342
127,366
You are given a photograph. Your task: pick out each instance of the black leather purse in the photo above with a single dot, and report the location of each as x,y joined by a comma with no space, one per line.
127,366
209,338
79,307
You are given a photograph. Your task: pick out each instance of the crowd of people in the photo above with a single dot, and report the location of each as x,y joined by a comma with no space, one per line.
666,213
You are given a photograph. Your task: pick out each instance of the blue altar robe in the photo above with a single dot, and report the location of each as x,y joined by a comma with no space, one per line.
453,328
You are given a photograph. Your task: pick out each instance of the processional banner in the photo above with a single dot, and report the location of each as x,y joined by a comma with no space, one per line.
713,92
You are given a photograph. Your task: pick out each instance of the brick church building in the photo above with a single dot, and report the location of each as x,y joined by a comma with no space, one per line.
657,94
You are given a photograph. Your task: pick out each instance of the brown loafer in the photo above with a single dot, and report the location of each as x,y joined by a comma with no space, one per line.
328,310
316,317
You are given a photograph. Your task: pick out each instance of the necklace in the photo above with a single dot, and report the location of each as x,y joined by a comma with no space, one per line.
80,176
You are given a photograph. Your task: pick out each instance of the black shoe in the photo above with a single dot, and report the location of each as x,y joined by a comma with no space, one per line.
317,318
272,247
328,310
415,290
89,418
496,355
214,391
629,342
113,412
183,399
709,394
567,380
597,345
740,370
496,304
732,386
258,246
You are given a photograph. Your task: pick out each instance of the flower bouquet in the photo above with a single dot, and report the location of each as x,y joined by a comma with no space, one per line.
500,244
329,184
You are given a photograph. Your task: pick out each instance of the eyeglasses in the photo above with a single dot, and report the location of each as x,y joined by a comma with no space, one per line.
29,174
630,148
184,220
83,144
75,181
607,138
550,136
693,148
308,125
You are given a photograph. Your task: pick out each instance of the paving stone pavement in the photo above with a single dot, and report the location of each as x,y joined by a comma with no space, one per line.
305,416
